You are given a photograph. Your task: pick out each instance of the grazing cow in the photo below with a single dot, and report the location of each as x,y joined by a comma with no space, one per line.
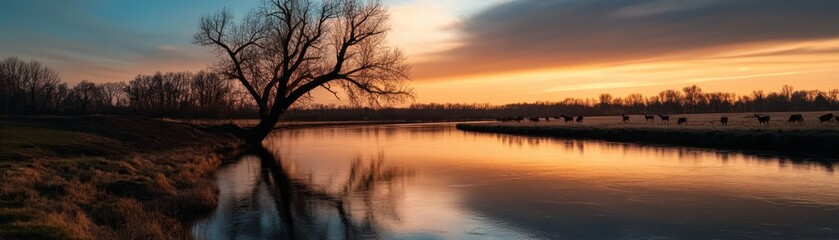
547,119
664,118
625,118
837,118
649,118
568,119
533,119
763,120
519,119
796,118
580,119
682,120
826,118
724,121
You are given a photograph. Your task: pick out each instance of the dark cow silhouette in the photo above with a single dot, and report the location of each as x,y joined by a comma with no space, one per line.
519,119
625,118
533,119
567,119
507,119
649,118
763,120
682,120
664,118
796,118
837,119
580,119
724,121
826,118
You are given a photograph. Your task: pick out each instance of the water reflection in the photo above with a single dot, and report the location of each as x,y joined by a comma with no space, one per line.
269,200
663,151
430,181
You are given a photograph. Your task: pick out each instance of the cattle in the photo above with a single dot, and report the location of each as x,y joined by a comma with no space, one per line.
664,118
724,121
533,119
547,119
625,118
507,119
796,118
580,119
837,118
567,119
682,120
763,120
649,118
519,119
826,118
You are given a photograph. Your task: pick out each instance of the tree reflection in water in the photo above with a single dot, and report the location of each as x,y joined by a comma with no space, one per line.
282,204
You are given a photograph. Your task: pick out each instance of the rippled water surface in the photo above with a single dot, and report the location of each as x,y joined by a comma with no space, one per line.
431,181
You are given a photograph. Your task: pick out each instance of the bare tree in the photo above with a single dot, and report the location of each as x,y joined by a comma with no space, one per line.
284,49
25,85
209,92
113,94
85,96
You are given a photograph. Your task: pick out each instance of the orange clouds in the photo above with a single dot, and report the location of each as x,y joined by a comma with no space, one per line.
530,50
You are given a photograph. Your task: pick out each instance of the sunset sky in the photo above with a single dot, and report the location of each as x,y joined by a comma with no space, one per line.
485,51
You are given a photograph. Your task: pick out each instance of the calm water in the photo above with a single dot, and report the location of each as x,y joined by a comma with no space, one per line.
431,181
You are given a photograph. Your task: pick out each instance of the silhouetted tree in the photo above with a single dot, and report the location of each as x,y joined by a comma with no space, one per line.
113,94
287,48
210,92
693,97
25,86
85,97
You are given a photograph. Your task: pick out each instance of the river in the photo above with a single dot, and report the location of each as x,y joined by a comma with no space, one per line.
431,181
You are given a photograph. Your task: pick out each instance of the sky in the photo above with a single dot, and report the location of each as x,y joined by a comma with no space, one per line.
478,51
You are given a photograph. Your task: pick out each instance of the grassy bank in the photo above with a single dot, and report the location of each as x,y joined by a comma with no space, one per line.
822,141
103,177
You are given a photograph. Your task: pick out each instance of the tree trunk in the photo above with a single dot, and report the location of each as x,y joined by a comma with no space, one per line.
256,134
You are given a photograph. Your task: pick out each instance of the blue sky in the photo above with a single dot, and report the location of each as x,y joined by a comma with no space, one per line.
105,40
113,40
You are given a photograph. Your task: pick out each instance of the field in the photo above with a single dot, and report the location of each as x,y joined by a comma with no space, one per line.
740,121
743,132
103,177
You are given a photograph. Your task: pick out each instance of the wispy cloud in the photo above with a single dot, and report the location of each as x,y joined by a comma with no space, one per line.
534,34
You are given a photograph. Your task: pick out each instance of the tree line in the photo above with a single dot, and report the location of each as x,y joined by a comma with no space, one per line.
29,87
689,99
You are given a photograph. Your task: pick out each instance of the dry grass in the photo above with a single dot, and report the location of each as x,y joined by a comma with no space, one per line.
101,178
702,130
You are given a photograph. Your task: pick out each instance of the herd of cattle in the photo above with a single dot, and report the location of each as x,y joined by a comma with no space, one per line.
762,119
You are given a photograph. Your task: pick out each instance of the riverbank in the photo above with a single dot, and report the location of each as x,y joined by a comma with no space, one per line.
789,141
107,177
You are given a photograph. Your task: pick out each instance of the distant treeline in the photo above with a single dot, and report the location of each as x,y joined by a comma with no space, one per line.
32,88
690,99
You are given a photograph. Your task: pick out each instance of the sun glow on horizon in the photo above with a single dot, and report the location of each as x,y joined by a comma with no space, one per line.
739,70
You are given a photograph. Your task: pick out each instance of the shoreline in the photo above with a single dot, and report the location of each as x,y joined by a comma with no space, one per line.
106,177
803,141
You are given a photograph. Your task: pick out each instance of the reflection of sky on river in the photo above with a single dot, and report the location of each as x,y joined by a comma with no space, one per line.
468,185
